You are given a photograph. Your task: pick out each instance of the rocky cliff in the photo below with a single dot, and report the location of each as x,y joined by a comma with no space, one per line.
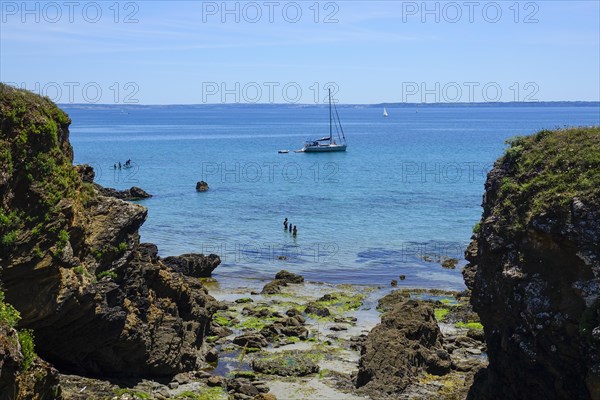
72,264
534,269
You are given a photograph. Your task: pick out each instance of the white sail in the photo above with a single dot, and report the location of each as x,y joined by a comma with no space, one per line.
385,113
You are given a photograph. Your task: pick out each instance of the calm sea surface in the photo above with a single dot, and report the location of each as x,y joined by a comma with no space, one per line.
406,193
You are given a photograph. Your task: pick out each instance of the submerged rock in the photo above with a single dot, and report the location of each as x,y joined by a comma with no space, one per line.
406,342
534,269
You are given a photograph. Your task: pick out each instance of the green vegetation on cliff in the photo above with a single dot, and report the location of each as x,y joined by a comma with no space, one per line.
545,172
35,159
10,317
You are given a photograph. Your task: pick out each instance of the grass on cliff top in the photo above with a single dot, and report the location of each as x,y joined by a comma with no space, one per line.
546,171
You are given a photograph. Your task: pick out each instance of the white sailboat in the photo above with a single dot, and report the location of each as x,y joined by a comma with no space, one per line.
385,113
328,143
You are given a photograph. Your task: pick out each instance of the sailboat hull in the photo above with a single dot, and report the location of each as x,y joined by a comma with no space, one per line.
324,148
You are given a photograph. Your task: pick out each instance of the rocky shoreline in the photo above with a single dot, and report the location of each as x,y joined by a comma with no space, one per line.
316,340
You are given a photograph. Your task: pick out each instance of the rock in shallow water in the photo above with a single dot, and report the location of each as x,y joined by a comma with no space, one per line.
201,186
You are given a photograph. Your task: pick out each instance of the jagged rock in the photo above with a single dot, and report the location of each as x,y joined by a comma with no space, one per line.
534,269
406,342
148,321
289,277
196,265
201,186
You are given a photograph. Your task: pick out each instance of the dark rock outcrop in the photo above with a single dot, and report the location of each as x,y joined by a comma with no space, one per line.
534,269
406,343
134,193
201,186
196,265
71,263
289,277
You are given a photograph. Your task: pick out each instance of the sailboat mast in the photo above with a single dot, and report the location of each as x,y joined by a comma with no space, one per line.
330,116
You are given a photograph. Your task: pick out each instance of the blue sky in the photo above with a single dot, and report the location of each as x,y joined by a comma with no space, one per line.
193,52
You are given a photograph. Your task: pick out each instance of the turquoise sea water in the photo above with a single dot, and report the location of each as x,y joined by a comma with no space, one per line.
408,189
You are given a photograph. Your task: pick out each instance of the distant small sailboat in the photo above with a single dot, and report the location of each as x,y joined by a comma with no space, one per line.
385,113
328,143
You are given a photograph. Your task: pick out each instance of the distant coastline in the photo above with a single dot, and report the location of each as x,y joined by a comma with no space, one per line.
304,105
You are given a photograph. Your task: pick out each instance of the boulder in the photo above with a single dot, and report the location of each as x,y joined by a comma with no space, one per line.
406,342
273,287
289,277
317,309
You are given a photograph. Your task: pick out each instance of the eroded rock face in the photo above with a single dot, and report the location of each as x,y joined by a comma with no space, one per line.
406,343
535,281
98,301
